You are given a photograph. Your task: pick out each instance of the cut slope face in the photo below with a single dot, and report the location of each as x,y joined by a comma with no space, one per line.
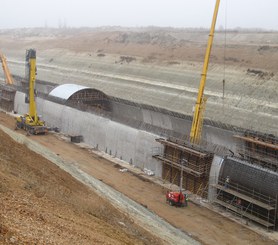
161,67
42,204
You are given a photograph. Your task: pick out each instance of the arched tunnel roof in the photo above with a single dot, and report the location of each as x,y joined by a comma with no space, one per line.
65,91
83,98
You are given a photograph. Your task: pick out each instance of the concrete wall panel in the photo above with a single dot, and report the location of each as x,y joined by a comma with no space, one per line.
157,119
51,112
121,141
130,144
220,136
121,110
19,103
145,145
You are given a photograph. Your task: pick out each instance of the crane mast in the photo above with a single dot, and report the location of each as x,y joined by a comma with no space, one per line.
31,122
197,123
31,75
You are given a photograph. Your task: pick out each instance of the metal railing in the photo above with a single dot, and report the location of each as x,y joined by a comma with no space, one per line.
255,194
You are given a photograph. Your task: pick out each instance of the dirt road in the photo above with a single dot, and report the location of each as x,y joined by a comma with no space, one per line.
203,224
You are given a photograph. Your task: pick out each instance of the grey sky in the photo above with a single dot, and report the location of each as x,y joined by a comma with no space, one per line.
176,13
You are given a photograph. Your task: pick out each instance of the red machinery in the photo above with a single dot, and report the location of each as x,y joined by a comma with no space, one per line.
176,198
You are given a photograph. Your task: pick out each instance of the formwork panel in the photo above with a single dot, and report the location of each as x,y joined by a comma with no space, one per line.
194,164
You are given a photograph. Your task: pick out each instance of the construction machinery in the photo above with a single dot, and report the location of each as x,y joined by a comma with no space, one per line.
8,76
177,198
31,121
197,123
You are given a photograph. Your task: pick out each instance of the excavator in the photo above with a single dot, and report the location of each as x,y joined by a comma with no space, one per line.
177,198
31,121
9,78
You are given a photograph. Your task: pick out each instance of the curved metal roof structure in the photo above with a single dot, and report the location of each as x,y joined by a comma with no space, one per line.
83,98
65,91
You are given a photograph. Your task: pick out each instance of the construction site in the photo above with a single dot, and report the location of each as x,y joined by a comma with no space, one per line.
109,137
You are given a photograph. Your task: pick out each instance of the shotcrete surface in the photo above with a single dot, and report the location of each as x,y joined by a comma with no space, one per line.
164,70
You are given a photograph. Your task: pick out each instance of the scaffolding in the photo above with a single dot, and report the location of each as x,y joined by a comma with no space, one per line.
258,149
194,164
247,203
90,100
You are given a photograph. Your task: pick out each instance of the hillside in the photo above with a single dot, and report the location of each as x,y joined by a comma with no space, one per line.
41,204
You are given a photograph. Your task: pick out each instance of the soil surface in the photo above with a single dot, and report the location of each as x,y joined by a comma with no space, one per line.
42,204
37,194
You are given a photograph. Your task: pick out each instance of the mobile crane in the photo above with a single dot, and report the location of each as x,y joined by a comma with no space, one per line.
197,123
9,78
31,122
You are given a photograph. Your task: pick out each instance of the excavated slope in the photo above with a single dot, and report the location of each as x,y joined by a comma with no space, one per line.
41,204
161,67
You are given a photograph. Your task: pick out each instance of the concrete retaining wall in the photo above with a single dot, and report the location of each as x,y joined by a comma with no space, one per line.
130,144
135,115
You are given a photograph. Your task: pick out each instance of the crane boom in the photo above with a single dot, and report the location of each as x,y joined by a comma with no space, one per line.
31,122
31,65
197,123
9,78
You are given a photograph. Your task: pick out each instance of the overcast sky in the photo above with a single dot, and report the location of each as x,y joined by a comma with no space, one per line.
175,13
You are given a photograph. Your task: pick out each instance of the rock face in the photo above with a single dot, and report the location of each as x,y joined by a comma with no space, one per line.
161,67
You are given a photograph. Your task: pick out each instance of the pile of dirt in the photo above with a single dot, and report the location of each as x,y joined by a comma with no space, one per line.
41,204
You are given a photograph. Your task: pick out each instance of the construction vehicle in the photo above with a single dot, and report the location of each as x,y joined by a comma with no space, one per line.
176,198
8,76
31,122
197,123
